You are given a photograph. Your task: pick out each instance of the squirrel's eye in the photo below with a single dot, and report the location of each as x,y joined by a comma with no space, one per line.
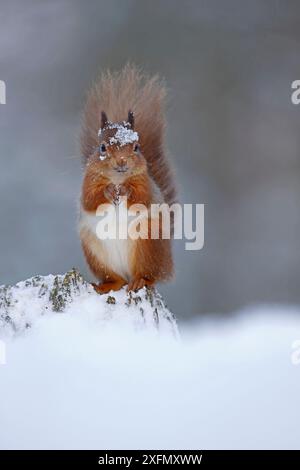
136,148
102,148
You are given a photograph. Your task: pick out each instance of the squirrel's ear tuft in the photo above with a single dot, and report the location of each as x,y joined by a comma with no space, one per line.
103,119
130,119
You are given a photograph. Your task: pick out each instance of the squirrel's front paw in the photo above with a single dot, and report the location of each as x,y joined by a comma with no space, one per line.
110,192
114,193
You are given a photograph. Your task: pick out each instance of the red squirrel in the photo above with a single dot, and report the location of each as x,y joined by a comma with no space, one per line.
122,143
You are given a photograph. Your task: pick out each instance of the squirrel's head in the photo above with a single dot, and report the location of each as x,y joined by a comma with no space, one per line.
119,155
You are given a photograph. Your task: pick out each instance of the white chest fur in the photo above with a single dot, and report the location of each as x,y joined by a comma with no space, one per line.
106,243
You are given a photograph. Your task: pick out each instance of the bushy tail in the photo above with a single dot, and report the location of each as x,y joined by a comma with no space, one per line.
116,94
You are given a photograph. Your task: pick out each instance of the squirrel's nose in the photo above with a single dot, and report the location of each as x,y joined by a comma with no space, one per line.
121,164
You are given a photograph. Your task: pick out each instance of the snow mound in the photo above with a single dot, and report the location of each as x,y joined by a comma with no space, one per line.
84,371
23,304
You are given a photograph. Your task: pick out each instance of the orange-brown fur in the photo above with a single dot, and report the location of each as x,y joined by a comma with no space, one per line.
116,94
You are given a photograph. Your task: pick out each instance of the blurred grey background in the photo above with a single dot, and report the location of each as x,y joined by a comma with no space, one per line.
233,133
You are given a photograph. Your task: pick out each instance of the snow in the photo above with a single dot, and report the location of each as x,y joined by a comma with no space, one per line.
86,378
123,136
22,305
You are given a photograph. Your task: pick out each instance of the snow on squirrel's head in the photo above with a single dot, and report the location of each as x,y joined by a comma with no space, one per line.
119,152
119,133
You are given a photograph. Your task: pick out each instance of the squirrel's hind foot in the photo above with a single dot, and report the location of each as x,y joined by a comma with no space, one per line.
105,287
139,283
